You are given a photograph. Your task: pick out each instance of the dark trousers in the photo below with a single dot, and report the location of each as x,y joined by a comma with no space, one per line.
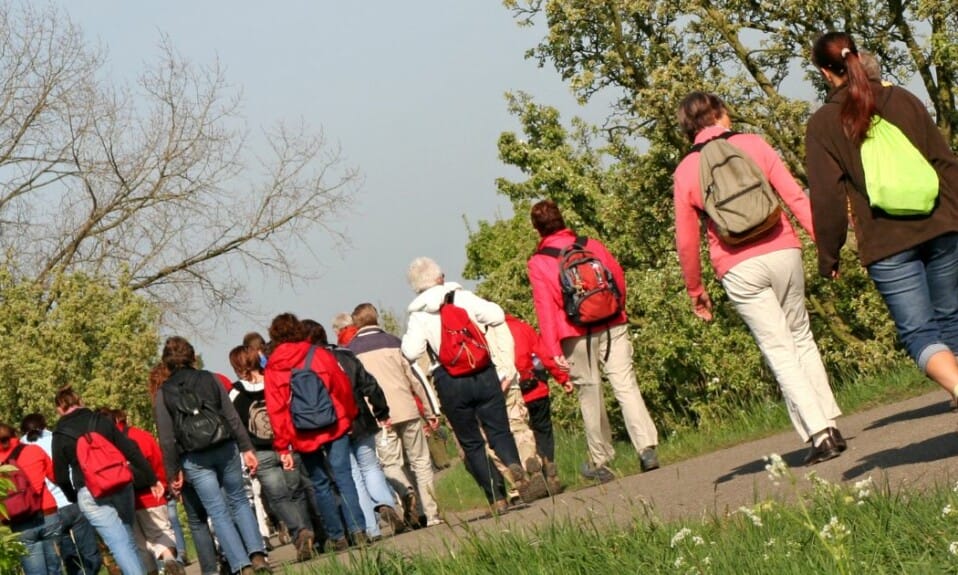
540,421
472,401
78,548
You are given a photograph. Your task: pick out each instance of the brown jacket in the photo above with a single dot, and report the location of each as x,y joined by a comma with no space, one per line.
836,177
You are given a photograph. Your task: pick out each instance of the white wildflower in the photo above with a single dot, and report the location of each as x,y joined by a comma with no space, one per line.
947,510
679,562
678,537
707,560
770,542
953,547
834,529
698,540
863,488
776,467
750,513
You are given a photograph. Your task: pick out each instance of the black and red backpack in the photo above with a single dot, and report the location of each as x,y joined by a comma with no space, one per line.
590,295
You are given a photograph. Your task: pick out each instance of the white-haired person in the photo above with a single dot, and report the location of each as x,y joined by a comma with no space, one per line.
476,400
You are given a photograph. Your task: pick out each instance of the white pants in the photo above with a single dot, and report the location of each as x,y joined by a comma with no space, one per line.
768,291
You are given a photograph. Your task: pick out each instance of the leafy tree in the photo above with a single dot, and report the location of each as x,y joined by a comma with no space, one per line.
155,182
80,331
614,180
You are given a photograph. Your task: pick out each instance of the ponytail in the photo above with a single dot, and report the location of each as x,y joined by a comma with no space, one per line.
837,53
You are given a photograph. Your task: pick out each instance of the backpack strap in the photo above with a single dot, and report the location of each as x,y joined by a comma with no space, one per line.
723,136
450,297
309,357
15,454
580,242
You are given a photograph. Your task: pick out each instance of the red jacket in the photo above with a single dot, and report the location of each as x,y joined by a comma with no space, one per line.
37,466
151,451
528,343
289,356
547,295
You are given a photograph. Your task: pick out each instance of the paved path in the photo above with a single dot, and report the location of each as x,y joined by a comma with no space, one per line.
911,443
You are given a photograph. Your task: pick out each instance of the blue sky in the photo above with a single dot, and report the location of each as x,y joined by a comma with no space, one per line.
411,91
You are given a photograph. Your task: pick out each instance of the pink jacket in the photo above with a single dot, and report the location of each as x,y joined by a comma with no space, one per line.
547,295
688,208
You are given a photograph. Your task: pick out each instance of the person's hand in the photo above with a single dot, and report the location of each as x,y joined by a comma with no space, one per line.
567,386
177,484
432,423
505,383
386,423
249,459
561,362
286,458
702,306
158,490
835,274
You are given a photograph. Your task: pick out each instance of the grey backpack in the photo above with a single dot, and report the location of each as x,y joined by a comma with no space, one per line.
736,194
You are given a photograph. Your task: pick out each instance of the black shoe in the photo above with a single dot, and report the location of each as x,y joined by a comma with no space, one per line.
838,439
602,474
648,459
822,452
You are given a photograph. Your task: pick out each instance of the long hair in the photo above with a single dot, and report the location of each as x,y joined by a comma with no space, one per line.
837,53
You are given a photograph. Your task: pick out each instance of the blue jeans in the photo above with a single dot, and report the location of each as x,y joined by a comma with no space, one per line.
78,547
39,536
920,288
336,455
217,476
284,491
370,481
467,403
112,517
177,530
196,517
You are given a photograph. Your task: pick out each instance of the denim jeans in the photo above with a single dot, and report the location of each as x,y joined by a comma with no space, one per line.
336,455
177,530
217,476
469,402
112,517
196,517
370,481
39,536
78,548
283,490
920,288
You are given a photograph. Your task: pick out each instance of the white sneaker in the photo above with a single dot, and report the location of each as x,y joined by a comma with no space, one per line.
434,522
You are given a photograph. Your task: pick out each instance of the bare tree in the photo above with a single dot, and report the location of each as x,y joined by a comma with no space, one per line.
154,184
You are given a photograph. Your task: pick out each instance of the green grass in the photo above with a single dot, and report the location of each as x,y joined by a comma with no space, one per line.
863,528
457,491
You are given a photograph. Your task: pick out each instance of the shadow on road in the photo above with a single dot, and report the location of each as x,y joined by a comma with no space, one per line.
793,459
931,449
937,408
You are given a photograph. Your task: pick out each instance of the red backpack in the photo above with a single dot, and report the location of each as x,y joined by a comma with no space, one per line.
462,347
590,295
105,469
22,501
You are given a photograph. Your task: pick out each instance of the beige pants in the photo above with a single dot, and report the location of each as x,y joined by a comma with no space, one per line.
608,352
153,534
405,443
519,426
768,291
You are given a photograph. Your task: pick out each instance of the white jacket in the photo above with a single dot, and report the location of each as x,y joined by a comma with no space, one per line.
423,327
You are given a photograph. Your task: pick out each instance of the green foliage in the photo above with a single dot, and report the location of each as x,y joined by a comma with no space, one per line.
81,331
11,550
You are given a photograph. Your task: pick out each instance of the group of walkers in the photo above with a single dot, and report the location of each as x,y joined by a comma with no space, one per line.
330,439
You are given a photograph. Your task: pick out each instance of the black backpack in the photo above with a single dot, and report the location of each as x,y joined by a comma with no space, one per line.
196,424
310,404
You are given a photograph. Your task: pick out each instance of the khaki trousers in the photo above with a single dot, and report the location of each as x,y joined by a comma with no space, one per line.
405,443
608,352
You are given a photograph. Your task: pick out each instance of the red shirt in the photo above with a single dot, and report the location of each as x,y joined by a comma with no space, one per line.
37,465
527,343
289,356
151,451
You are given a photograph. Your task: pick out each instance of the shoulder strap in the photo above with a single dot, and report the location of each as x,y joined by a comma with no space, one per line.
551,252
723,136
308,364
579,242
450,297
15,454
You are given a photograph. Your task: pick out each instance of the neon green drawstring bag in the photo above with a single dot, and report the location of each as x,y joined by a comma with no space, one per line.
898,178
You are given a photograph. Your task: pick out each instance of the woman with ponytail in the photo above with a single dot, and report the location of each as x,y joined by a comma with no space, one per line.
912,259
